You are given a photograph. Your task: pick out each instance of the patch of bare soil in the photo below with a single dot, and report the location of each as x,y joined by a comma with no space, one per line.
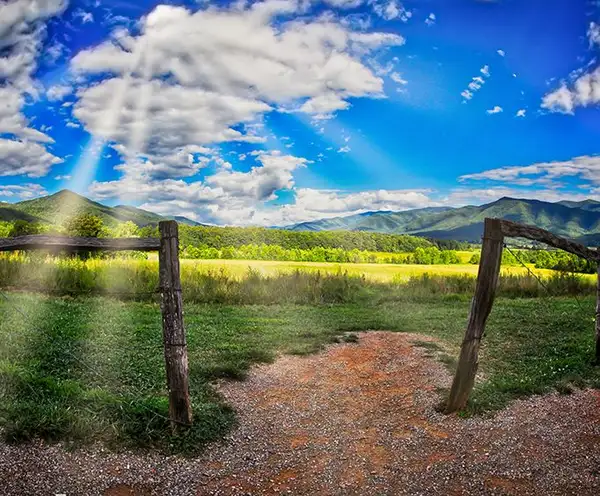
356,419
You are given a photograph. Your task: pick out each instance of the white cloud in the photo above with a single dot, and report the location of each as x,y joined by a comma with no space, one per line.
585,167
227,196
323,106
594,34
474,196
22,191
64,177
344,149
25,158
476,83
495,110
22,31
309,204
58,92
390,10
585,91
521,113
397,78
430,21
502,53
186,79
83,16
344,4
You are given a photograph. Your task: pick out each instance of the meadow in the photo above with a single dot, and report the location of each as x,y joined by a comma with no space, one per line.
77,366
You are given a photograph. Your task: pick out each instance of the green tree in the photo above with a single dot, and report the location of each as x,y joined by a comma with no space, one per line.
126,230
86,225
23,228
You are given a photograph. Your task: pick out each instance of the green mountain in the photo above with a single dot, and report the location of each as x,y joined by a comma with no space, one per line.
55,208
592,205
466,223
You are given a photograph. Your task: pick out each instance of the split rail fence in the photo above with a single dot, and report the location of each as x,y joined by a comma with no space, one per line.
174,338
495,230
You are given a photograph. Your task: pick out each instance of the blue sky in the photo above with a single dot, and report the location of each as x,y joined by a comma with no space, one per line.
277,112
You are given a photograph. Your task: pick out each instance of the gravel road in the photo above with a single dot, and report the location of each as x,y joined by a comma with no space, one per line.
355,419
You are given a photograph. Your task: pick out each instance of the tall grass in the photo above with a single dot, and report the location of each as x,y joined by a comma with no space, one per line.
138,279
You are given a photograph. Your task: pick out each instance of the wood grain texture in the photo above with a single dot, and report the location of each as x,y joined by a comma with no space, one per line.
175,344
71,244
514,230
481,306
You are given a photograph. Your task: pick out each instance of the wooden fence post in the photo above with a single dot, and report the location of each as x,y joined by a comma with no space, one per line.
598,318
176,360
481,305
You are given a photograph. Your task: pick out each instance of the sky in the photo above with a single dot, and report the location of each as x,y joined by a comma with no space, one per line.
279,111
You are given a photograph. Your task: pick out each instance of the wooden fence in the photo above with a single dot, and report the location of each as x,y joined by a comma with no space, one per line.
495,230
174,339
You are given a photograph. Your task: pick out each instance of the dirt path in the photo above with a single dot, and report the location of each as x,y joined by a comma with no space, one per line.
356,419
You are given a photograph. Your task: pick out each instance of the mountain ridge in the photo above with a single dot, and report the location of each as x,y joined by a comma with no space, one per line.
66,203
575,220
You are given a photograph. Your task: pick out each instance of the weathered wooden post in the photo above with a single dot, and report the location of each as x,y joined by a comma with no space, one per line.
176,359
481,305
598,317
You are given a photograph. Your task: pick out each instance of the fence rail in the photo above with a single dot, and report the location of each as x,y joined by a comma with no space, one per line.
72,244
495,230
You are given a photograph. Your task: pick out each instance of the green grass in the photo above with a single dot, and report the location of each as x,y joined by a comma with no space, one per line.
92,368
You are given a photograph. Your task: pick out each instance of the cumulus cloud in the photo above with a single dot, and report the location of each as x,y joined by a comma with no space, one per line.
495,110
476,83
521,113
21,191
585,91
344,4
58,92
25,158
502,53
586,167
309,204
184,79
22,31
390,10
430,21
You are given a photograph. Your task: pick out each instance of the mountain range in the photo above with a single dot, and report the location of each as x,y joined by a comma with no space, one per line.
47,209
575,220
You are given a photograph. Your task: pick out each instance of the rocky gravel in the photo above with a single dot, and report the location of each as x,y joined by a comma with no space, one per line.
355,419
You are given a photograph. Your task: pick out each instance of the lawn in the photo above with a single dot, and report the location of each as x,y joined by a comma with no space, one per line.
92,368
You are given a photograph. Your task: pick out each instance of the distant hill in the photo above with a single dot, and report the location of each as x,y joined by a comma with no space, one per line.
570,219
55,208
575,220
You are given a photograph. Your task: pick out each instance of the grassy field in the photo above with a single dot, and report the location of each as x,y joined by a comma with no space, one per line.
375,272
84,369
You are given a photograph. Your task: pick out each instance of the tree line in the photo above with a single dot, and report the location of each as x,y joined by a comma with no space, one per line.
429,255
546,259
223,237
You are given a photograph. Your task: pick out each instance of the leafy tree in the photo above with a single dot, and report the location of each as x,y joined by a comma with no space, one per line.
5,228
86,225
125,230
23,228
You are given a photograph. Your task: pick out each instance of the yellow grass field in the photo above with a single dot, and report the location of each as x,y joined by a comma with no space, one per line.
377,272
